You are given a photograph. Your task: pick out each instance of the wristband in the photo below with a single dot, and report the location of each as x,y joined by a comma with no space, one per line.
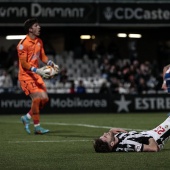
33,69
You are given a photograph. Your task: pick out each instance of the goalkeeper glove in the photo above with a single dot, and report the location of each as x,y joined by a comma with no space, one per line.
40,71
55,66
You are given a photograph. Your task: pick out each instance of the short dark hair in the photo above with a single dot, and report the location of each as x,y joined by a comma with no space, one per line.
28,23
101,146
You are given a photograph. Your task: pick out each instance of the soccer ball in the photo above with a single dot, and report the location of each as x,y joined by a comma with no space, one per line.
50,70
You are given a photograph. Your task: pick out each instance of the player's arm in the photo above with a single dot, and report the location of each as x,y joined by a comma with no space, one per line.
134,146
27,66
151,147
45,60
164,71
43,56
117,130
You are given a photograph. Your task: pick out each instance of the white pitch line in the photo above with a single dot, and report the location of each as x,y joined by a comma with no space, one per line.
82,125
88,125
46,141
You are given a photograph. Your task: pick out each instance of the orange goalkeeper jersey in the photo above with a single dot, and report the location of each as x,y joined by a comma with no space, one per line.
30,51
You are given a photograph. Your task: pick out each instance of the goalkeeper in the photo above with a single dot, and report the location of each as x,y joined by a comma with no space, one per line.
119,140
30,51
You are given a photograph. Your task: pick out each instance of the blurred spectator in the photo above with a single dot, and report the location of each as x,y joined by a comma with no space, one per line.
151,83
132,84
114,86
104,89
81,88
8,81
2,79
125,73
63,75
141,86
72,88
13,71
5,82
113,72
122,89
105,67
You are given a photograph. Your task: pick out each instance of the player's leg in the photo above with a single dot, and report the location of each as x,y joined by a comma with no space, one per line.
26,121
161,133
25,85
37,92
38,101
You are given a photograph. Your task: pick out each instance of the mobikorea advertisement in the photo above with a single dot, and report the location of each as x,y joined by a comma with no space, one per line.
88,103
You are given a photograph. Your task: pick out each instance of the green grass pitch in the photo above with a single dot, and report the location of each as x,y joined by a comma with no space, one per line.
68,146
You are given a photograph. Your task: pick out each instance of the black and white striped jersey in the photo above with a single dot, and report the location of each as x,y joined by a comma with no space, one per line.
131,142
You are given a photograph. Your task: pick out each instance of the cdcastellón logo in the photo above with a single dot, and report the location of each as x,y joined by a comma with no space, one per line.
137,13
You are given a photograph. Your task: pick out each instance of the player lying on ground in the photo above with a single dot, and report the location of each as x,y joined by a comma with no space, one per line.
119,140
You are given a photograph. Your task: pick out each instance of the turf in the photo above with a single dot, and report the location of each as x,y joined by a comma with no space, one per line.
68,146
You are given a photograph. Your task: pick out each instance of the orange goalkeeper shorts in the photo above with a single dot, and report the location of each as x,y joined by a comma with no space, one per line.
31,86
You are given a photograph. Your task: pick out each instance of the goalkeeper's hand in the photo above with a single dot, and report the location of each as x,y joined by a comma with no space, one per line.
41,72
55,66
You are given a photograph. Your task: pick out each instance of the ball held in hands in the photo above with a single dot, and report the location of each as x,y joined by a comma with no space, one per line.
49,70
